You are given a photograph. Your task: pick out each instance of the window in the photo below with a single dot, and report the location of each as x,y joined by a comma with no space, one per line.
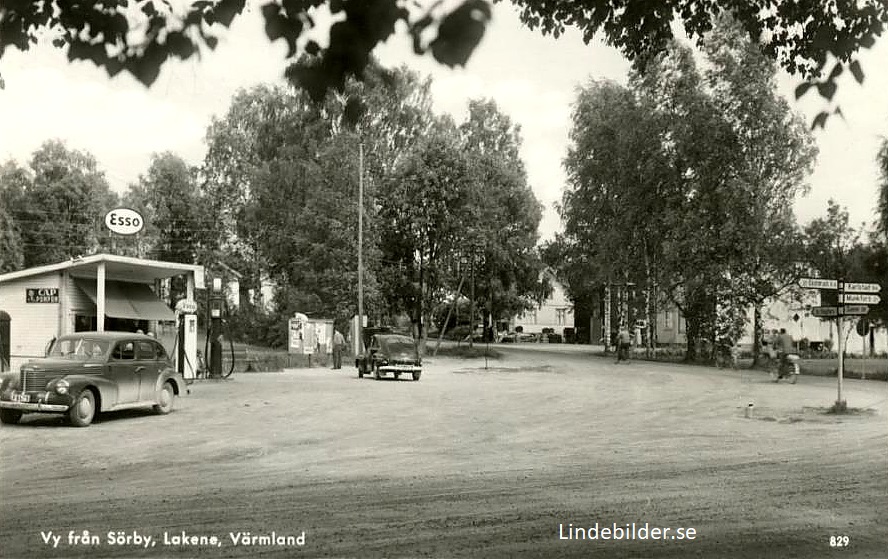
147,351
560,316
124,350
159,352
668,320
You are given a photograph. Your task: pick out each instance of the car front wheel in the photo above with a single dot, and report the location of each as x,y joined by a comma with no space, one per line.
417,375
376,372
165,399
10,417
83,411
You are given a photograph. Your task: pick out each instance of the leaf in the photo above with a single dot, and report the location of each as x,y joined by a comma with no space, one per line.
802,89
226,10
820,120
827,90
460,32
836,72
856,70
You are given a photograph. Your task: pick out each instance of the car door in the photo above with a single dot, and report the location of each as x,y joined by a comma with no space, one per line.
148,367
122,370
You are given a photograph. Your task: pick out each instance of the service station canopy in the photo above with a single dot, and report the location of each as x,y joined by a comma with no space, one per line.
118,285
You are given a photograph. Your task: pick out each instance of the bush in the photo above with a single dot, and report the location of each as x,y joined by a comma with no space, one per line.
255,327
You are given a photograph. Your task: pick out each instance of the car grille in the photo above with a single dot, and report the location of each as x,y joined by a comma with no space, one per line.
34,380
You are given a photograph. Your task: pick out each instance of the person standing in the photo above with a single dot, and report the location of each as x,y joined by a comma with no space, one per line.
338,347
624,343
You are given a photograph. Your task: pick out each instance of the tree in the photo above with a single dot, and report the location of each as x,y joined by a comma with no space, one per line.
882,203
168,198
830,241
778,155
13,180
60,205
423,209
115,37
501,238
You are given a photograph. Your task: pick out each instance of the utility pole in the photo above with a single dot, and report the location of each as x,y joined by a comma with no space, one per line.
360,245
472,303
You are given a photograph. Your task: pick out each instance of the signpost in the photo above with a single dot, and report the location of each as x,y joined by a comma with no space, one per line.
825,311
859,295
859,298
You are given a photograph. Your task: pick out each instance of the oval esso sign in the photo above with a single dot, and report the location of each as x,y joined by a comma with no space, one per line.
124,221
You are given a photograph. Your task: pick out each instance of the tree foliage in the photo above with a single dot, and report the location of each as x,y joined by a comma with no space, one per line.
682,184
168,199
58,204
882,203
138,37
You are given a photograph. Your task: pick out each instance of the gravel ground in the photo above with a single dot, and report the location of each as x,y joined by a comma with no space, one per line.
504,461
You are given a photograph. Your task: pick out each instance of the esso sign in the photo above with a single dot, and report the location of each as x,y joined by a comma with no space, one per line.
124,221
186,306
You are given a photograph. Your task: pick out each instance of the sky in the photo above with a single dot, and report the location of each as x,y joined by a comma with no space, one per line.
532,78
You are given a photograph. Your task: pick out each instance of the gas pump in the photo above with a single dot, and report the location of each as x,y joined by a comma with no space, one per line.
186,322
214,329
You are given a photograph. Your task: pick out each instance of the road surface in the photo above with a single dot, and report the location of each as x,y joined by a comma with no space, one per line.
524,458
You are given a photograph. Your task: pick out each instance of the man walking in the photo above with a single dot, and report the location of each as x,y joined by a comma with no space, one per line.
338,346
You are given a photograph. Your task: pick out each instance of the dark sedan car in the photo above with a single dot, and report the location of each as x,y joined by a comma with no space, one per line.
390,354
91,372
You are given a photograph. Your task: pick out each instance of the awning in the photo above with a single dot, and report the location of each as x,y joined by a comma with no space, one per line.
128,300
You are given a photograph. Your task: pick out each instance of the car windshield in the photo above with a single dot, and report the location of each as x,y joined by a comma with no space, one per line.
79,348
398,345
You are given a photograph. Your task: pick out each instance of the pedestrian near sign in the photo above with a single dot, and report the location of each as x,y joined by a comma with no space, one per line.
862,287
818,283
860,298
825,311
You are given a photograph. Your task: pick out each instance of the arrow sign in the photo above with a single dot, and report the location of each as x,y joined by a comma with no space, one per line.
855,310
825,311
859,298
862,287
817,283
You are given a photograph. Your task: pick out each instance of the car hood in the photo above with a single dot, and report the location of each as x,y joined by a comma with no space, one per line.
59,364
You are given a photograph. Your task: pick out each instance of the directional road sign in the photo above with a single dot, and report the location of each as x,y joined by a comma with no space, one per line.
825,311
855,310
818,283
862,287
865,299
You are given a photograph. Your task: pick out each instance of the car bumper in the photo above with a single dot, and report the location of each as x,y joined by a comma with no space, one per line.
36,401
400,369
34,406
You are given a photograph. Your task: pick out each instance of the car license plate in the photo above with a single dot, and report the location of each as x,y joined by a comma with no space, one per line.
20,397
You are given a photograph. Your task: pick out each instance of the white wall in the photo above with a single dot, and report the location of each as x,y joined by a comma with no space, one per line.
32,324
556,312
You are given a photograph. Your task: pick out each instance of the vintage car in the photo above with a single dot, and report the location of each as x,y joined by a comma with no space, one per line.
91,372
389,354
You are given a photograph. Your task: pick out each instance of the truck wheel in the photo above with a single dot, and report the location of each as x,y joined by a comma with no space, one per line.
417,375
82,412
10,417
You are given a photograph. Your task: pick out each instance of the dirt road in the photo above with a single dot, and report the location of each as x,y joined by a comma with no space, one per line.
468,462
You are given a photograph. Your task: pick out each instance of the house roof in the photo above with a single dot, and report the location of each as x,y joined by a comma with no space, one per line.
120,268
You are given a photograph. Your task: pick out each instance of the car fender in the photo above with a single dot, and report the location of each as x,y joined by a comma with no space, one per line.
10,380
175,376
106,388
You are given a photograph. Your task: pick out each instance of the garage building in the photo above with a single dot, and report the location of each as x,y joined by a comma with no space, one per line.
41,303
